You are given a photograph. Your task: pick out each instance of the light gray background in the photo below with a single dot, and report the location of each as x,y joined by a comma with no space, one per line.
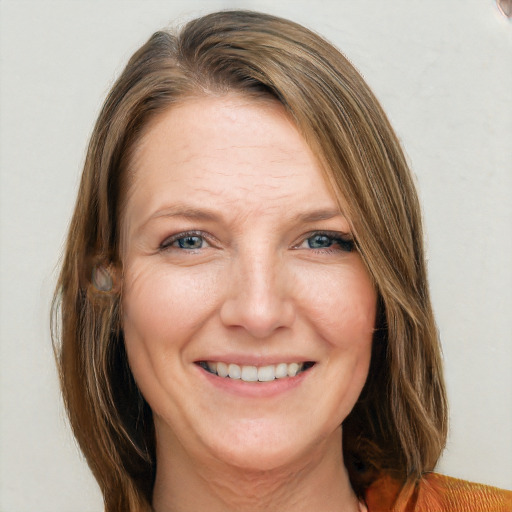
442,70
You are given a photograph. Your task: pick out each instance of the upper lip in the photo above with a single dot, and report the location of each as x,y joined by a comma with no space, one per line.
255,360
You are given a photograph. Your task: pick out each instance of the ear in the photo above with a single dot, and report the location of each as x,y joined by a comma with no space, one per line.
102,279
105,278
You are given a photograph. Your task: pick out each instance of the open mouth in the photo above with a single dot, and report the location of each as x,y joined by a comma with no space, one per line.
255,373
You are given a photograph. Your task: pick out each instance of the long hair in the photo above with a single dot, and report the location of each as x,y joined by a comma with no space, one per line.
398,425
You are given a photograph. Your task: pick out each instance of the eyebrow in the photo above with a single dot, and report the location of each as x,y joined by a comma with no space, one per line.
184,211
205,214
187,212
317,215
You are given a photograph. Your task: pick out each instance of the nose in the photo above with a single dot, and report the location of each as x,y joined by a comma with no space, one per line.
258,295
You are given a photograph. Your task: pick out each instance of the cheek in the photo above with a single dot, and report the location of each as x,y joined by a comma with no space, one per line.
162,309
341,302
154,297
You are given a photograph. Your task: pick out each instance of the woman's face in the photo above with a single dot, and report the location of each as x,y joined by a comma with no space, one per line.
247,313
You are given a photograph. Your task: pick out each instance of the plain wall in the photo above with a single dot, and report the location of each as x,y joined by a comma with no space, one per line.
442,70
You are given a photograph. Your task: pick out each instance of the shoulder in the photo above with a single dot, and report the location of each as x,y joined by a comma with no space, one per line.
436,493
459,495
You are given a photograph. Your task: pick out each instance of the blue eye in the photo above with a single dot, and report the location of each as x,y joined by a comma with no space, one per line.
186,241
190,242
320,241
330,241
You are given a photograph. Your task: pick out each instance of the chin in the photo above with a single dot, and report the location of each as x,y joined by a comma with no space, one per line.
257,445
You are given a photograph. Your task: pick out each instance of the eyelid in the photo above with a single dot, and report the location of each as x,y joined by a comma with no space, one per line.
333,234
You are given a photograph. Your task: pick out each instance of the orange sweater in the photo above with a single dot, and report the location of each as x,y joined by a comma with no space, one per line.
437,493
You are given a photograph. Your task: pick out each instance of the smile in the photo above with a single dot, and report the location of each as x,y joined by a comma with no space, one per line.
255,373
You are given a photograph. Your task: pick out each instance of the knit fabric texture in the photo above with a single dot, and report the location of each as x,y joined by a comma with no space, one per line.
436,493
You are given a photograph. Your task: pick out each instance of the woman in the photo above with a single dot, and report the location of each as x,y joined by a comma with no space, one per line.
245,315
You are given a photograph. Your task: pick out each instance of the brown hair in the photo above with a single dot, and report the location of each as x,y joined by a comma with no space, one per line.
399,424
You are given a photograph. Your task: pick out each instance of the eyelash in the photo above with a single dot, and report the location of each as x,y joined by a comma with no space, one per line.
344,242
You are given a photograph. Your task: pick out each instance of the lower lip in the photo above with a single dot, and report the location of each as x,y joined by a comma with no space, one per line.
254,389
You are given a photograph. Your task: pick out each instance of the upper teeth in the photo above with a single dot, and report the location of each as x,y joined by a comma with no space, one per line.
254,373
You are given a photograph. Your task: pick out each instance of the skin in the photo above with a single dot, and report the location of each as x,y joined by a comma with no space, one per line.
254,289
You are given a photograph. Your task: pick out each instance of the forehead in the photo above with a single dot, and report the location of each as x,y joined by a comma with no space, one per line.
223,151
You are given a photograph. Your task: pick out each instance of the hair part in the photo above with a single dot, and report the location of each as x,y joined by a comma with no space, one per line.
399,423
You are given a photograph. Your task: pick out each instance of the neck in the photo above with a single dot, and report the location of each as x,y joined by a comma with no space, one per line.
317,482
